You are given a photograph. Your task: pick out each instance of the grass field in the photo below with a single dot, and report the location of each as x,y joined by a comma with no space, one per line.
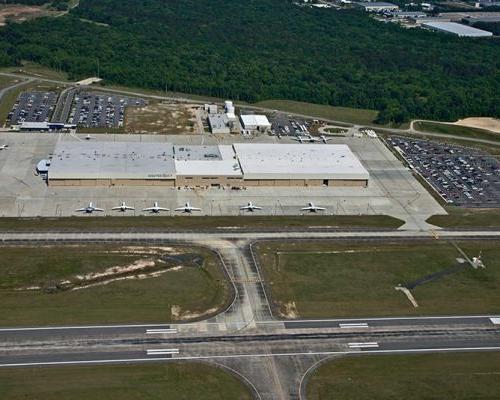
124,382
458,376
467,218
195,222
33,69
352,115
456,130
6,81
347,279
53,285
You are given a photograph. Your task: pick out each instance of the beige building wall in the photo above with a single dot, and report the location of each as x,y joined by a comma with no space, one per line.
203,181
111,182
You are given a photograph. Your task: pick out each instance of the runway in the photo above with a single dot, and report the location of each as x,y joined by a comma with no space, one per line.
273,356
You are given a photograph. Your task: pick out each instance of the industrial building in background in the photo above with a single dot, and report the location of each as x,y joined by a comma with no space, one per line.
456,29
236,166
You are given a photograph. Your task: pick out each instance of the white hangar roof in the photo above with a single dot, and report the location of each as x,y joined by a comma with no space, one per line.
299,161
255,120
112,160
206,161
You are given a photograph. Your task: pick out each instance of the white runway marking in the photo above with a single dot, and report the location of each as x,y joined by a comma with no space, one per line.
156,352
495,321
364,345
358,325
160,331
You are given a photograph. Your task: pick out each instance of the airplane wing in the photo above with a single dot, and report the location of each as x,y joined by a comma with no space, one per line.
320,208
195,209
129,208
162,209
148,209
98,209
81,209
306,208
257,208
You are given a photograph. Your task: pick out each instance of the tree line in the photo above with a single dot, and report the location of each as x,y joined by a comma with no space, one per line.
255,50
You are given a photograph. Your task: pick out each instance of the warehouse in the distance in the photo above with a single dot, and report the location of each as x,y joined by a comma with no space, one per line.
239,165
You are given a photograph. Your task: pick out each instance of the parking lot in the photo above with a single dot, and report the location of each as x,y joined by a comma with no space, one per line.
100,110
33,107
281,125
462,176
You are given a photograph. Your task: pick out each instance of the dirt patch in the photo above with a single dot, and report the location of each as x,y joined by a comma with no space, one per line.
162,119
153,263
289,310
179,315
20,13
491,124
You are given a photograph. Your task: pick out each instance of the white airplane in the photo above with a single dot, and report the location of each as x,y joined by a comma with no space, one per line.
325,139
156,208
250,207
89,209
307,138
312,208
187,208
123,207
4,147
88,137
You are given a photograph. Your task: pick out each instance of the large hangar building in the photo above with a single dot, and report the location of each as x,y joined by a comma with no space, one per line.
300,165
112,164
239,165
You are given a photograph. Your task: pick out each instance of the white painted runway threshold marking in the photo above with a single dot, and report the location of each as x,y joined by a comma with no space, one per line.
157,352
160,331
364,345
495,321
358,325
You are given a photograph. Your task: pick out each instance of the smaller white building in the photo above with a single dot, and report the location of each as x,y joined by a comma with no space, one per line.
254,122
377,6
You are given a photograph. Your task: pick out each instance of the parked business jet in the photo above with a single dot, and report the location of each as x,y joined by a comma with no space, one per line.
89,209
250,207
307,138
187,208
123,207
312,208
325,139
156,208
4,147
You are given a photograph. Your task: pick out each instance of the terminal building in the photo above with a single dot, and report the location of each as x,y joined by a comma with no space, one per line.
236,166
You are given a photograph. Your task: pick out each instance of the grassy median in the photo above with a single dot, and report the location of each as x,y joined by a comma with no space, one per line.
467,218
124,382
87,284
358,279
459,376
196,222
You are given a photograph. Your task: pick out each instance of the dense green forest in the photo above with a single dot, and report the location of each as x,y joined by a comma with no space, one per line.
254,50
